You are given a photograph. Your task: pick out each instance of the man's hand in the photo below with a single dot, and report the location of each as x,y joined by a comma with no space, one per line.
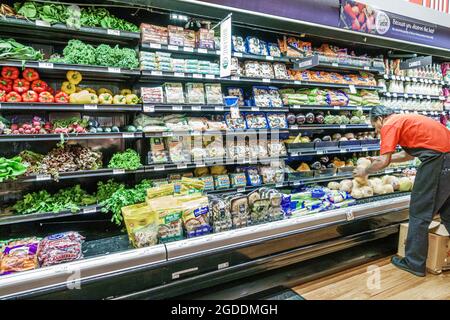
360,172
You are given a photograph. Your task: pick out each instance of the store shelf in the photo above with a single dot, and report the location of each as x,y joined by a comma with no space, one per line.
297,107
148,75
422,112
342,176
365,148
150,108
196,52
59,32
79,174
36,106
69,136
415,79
16,218
249,188
154,167
214,133
48,69
412,96
330,127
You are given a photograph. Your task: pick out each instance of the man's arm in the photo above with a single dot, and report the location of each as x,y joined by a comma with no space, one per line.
377,164
401,156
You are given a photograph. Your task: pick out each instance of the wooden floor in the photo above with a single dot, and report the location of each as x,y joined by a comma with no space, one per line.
360,283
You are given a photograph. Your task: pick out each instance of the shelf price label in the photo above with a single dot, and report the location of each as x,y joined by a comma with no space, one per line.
387,94
218,108
366,68
320,151
172,47
42,23
335,64
349,215
364,149
414,79
156,73
240,190
167,134
297,82
389,170
188,49
342,126
196,108
296,106
202,50
279,185
177,108
209,76
255,108
45,65
113,32
270,58
265,80
406,96
118,171
337,107
394,95
428,97
296,183
90,210
200,164
90,107
43,177
159,168
149,108
182,166
238,54
235,78
113,70
178,74
128,135
414,96
420,96
197,76
155,46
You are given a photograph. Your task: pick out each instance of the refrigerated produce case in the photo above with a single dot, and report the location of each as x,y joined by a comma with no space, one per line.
111,267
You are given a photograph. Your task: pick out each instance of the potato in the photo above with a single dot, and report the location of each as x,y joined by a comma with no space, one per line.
363,162
378,189
387,188
333,185
360,182
367,191
357,193
346,185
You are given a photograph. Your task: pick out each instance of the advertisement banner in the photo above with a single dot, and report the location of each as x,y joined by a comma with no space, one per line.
360,17
225,48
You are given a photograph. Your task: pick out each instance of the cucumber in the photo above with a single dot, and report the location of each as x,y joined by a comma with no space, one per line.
131,128
115,129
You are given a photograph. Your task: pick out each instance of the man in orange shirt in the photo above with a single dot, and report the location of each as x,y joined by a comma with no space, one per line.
421,137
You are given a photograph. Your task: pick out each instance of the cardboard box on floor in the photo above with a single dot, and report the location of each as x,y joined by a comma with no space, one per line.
438,246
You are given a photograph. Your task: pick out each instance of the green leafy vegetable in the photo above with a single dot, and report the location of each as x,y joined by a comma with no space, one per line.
11,49
105,190
128,160
125,197
11,168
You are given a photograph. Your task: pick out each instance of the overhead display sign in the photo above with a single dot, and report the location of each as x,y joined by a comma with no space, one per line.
416,62
225,47
350,15
360,17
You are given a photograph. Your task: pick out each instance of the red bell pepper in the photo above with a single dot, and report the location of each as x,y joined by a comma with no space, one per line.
62,97
2,95
13,97
46,97
30,96
6,84
51,90
39,86
10,73
21,85
30,74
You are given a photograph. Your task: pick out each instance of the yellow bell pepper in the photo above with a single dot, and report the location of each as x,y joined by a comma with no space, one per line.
68,87
125,92
105,98
119,99
104,90
132,99
90,90
74,77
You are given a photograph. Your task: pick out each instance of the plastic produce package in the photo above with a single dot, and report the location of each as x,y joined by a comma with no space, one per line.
238,44
174,92
213,93
196,217
152,95
158,150
234,124
252,69
239,210
256,120
277,120
141,224
19,256
169,213
220,214
59,248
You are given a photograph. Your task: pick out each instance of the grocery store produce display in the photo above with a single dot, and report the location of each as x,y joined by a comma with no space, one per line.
165,148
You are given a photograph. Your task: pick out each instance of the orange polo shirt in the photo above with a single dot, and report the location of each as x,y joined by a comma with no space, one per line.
413,131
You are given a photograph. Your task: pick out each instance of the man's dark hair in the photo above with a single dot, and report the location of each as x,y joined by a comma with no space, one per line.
380,112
